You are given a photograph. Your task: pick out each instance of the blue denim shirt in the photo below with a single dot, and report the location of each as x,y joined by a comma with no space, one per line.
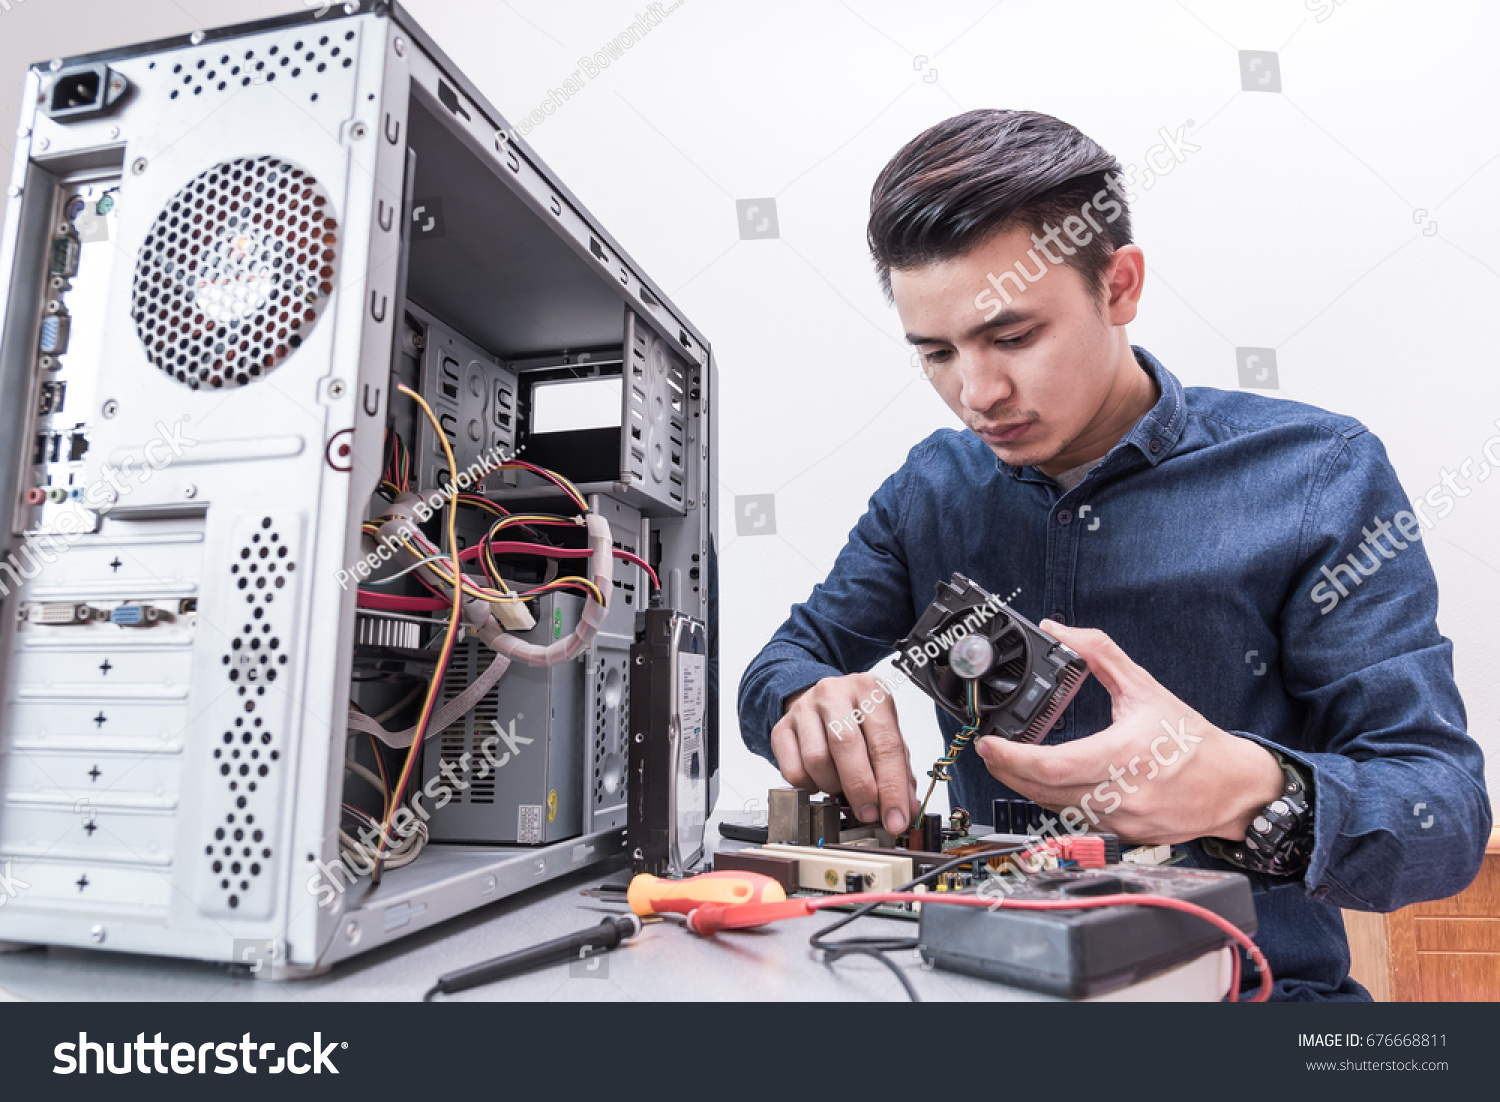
1202,537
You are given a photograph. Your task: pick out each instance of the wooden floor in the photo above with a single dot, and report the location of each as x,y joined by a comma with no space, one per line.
1444,951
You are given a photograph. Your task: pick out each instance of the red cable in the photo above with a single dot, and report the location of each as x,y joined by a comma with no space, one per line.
710,917
389,602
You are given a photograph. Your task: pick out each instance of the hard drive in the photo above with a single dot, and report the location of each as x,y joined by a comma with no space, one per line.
670,735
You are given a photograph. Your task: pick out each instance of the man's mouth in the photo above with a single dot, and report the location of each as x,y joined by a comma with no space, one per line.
1002,433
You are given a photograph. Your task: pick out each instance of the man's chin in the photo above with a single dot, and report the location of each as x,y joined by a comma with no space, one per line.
1024,454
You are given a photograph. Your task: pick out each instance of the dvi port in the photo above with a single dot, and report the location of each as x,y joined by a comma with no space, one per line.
63,612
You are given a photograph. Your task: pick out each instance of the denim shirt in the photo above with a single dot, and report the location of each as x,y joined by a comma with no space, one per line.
1213,544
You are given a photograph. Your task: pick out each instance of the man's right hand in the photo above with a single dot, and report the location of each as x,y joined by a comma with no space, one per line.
818,746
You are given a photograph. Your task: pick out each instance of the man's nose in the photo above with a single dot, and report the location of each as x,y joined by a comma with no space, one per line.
982,386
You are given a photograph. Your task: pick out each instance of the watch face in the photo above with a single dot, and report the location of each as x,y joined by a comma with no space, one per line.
1279,839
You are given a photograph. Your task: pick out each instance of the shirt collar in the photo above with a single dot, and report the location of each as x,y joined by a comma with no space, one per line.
1154,434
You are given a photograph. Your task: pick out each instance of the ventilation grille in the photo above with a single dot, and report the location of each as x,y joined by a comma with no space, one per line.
234,273
468,734
249,748
224,72
611,699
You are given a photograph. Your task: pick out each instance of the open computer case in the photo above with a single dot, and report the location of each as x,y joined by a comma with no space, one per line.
225,255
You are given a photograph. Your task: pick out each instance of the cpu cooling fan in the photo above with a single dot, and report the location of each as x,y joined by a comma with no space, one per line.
969,649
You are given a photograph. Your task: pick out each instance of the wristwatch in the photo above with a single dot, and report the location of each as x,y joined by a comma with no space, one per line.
1279,840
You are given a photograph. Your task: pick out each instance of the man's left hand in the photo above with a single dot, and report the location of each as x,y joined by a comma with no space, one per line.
1159,773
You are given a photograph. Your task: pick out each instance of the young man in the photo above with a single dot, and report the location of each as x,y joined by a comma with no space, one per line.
1243,575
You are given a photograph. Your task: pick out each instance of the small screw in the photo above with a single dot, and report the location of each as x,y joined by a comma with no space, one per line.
358,131
351,7
97,934
399,46
190,491
55,64
196,37
114,131
336,389
351,932
24,132
139,166
13,191
111,407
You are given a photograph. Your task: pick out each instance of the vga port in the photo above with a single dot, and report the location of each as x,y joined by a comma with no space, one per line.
137,616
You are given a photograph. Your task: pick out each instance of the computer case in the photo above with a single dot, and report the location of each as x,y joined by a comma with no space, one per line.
224,254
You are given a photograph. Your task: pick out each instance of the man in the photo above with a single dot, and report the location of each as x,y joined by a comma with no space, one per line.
1254,695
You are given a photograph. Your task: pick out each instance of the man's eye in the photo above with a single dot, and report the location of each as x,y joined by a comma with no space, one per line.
938,357
1015,342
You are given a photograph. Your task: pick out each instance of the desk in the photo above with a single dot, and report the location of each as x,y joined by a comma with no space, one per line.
665,962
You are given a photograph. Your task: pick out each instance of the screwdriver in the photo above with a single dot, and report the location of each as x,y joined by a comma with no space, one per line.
605,936
649,895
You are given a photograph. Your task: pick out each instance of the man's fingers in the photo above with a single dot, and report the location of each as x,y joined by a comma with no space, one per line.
1115,669
892,764
788,757
1072,764
856,776
813,747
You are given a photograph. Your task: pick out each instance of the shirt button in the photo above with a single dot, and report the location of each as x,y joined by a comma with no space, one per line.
1065,517
1156,447
1060,618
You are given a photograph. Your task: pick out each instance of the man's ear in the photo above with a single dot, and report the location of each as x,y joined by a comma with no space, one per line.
1124,280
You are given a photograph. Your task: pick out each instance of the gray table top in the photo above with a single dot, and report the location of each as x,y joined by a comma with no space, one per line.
664,962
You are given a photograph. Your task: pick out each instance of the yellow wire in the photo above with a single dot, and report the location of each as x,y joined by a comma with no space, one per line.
448,639
960,740
484,593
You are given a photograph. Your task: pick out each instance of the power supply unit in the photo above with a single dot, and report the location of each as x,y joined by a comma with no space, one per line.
299,337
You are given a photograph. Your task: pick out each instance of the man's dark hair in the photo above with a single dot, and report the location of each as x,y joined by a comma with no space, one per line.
957,183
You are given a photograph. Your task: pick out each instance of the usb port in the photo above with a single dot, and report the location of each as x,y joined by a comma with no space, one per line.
39,456
56,453
51,400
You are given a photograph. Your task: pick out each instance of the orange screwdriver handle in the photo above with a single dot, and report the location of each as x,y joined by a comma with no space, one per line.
652,895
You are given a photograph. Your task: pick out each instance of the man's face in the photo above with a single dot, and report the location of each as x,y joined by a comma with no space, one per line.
1036,382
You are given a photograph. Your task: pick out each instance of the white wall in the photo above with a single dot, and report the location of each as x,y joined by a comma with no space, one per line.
1345,221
